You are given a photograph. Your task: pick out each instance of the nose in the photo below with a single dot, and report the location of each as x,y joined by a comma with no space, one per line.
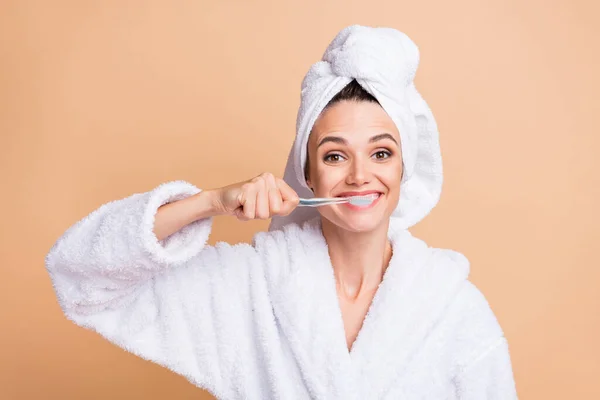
358,173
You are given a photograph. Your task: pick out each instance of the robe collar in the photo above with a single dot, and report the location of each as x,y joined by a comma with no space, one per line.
417,286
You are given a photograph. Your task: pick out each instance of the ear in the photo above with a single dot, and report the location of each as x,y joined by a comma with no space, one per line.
309,186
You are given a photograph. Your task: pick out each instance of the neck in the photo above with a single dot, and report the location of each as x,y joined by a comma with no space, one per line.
359,259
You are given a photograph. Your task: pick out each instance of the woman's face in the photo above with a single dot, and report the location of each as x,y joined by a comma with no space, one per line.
354,149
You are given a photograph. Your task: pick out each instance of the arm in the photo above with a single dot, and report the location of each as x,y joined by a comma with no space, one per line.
483,367
174,216
489,376
175,301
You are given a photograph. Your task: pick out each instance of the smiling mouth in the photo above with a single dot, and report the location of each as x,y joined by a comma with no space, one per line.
362,201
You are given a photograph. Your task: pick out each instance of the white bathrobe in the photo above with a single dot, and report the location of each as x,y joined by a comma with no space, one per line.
263,321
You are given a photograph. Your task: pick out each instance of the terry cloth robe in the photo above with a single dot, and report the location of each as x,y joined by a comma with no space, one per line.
263,321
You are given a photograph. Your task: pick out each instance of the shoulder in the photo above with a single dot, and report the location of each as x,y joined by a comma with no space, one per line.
474,309
470,322
470,308
442,266
468,314
474,327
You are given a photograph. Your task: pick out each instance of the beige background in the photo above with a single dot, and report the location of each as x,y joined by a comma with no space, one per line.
99,100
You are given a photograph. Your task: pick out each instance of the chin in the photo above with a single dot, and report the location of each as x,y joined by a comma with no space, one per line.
357,222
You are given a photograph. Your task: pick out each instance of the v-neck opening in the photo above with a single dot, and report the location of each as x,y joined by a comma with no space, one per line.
413,291
366,322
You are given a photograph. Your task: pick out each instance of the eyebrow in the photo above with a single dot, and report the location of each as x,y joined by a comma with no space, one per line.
340,140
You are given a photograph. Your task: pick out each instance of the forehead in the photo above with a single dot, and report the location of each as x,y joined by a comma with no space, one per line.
352,119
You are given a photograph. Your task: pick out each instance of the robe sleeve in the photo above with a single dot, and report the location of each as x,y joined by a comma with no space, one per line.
177,302
484,369
489,377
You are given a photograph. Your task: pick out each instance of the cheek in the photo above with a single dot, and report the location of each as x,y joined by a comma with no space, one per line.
391,180
393,176
327,179
389,172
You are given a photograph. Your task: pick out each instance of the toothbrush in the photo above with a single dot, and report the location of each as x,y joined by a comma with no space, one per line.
354,200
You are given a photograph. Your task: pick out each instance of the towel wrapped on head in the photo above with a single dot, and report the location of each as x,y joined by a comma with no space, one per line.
384,62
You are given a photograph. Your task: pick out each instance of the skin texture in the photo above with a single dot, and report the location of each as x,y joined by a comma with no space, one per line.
357,165
357,239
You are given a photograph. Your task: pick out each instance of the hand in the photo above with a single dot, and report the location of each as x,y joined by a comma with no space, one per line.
258,198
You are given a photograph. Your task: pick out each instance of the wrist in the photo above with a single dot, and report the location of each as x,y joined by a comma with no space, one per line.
207,204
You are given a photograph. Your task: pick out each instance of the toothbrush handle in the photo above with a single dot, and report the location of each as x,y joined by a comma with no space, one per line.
316,202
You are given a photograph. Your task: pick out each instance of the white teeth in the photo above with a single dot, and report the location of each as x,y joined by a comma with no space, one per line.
364,200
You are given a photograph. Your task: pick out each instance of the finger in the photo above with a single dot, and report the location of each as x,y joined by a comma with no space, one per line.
289,196
275,200
249,201
287,193
262,200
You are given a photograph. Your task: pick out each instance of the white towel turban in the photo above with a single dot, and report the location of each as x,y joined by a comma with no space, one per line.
384,62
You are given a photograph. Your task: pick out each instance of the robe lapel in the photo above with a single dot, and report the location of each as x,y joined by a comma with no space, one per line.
416,288
306,305
418,285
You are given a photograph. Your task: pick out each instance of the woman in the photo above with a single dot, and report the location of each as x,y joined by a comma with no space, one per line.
343,303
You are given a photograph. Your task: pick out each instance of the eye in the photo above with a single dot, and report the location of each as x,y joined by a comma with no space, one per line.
334,157
382,154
